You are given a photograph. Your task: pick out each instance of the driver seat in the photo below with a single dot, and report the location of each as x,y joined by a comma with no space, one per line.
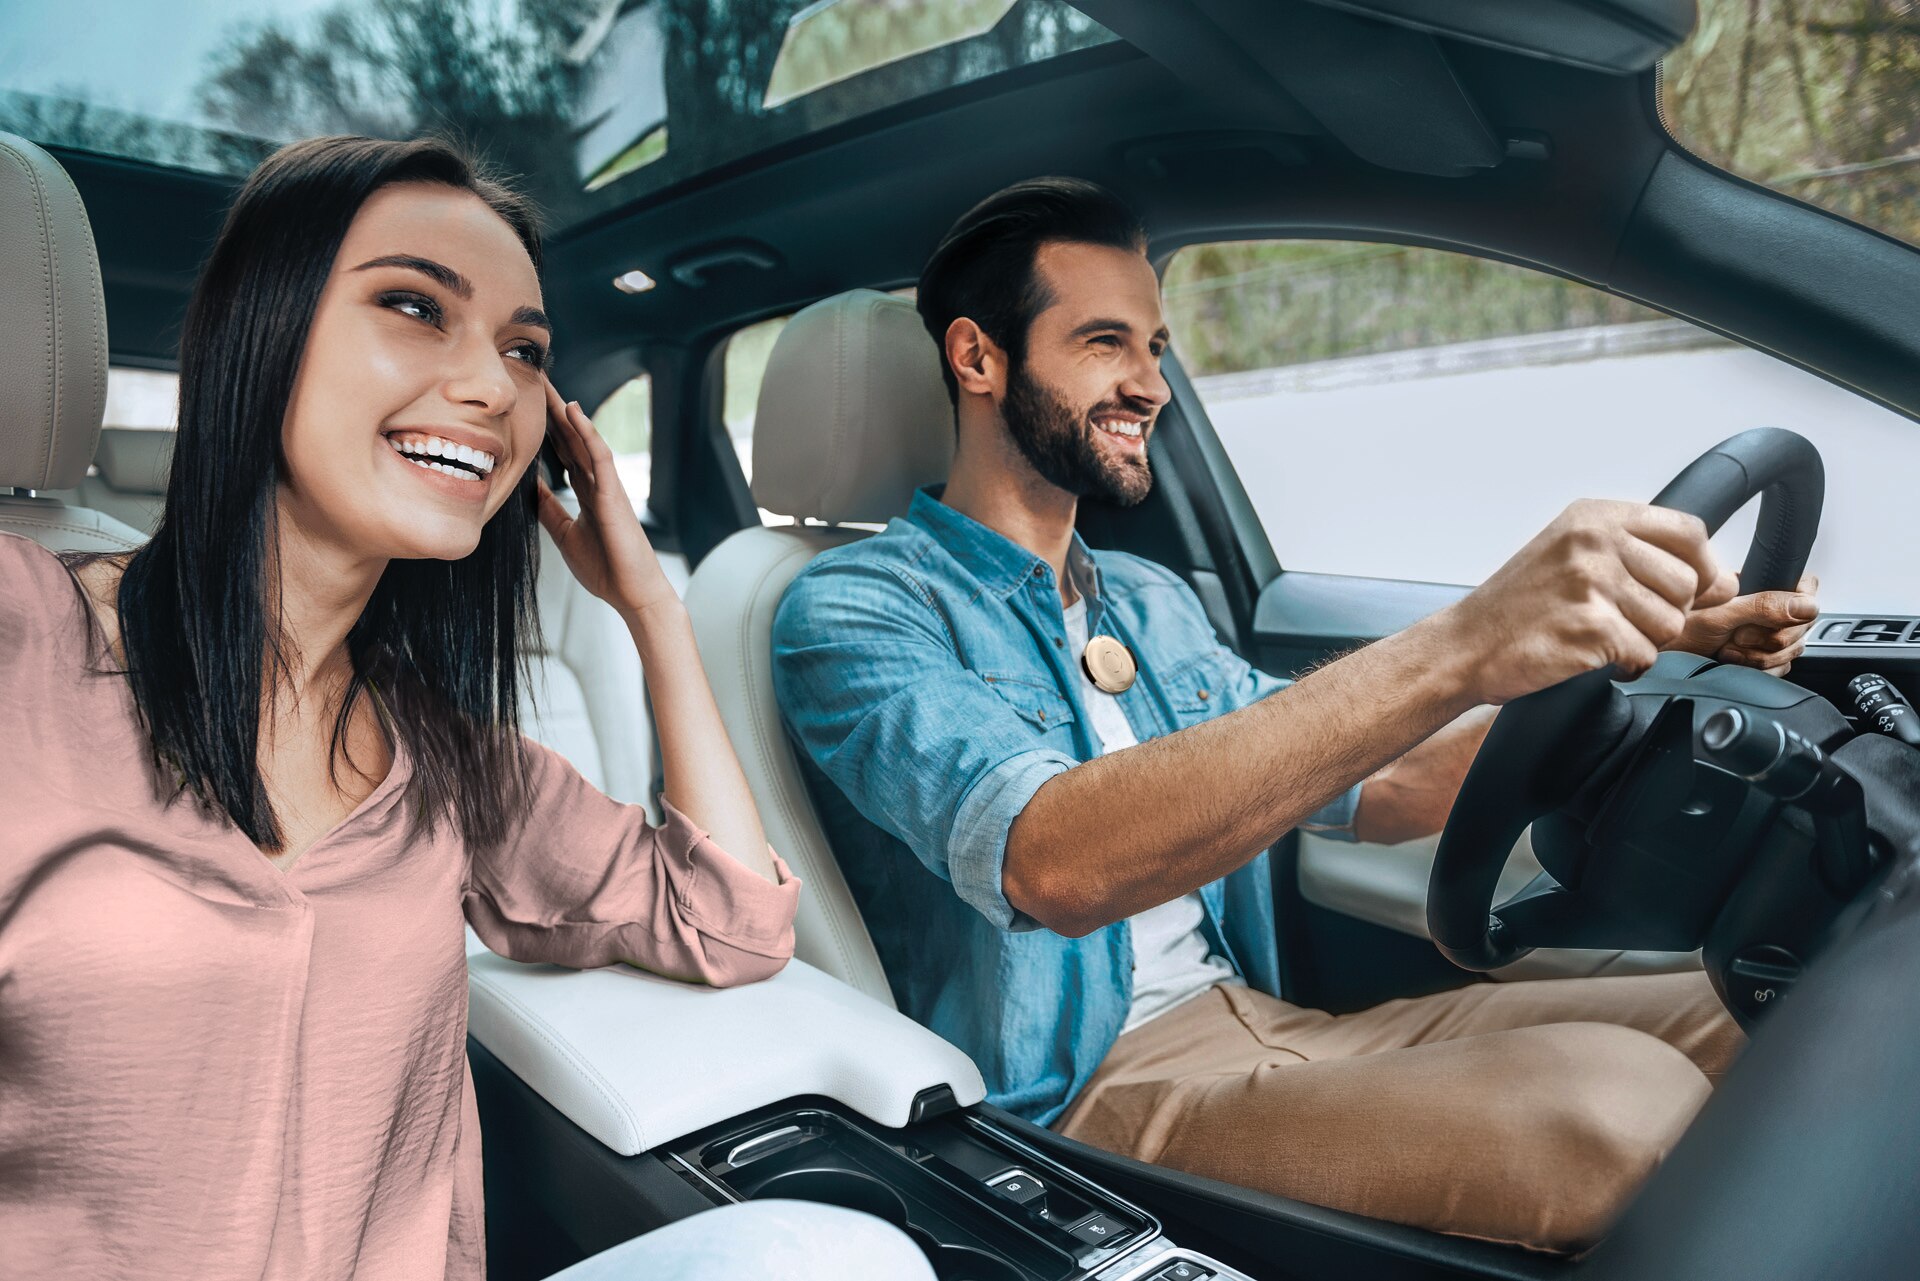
852,419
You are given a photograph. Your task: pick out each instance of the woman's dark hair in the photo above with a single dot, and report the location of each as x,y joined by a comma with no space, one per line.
984,268
438,641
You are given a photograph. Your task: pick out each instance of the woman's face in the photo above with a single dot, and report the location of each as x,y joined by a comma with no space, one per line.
421,396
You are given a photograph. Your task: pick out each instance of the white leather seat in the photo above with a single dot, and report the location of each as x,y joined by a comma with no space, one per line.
852,419
53,355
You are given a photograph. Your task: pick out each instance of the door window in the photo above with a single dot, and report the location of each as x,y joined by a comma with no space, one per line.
1409,413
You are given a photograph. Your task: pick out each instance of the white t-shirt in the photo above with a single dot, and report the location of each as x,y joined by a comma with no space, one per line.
1171,960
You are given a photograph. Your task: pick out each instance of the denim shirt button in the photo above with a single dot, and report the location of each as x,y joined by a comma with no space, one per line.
1202,695
1058,643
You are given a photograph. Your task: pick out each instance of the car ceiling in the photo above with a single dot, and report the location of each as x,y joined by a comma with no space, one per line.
1385,133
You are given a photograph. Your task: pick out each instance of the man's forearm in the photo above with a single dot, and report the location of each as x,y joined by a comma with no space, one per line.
1139,827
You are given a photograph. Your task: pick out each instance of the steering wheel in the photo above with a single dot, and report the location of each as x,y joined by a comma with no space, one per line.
1544,747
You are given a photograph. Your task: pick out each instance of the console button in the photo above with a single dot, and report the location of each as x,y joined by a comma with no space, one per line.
1099,1229
1182,1271
1018,1187
1759,976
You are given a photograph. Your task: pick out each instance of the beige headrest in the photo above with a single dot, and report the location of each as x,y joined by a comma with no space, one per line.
853,416
53,346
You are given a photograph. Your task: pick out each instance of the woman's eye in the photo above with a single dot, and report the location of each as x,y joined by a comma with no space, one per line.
532,353
420,308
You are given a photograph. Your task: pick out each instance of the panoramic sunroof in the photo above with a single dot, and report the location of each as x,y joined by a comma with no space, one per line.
573,95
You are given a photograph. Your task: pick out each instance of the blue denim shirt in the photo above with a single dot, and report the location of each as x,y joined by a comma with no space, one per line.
925,675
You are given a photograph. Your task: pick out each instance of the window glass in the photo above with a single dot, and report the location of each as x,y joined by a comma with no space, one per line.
142,399
1816,98
1406,413
828,41
625,419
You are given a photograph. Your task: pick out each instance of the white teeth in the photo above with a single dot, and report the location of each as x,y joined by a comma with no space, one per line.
1120,428
438,447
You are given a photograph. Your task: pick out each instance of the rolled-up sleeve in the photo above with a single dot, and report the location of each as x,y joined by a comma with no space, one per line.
873,689
588,881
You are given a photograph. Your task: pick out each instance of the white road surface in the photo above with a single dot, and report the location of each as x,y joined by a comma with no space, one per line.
1440,478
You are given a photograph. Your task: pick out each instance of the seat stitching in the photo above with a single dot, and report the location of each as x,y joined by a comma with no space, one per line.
52,362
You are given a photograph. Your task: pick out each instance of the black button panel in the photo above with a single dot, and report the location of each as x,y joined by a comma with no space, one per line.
1101,1229
1018,1187
1184,1270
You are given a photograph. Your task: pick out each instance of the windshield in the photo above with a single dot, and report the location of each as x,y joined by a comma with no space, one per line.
1819,99
574,95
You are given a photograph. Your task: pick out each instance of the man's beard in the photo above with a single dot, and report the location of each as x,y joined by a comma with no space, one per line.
1059,443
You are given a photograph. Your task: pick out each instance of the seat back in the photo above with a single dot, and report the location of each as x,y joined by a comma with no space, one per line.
53,355
852,419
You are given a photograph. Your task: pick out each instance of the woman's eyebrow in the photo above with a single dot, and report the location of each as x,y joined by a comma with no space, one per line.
435,271
453,281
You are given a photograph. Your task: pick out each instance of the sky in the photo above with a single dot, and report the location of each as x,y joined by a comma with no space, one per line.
144,56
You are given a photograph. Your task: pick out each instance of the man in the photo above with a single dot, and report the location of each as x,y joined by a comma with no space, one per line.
1051,786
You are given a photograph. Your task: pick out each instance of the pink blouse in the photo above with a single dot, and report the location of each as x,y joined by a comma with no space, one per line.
212,1068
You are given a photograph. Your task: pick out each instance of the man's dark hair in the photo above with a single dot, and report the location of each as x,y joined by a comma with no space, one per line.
984,267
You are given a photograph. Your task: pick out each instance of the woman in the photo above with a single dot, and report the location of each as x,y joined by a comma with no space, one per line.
265,767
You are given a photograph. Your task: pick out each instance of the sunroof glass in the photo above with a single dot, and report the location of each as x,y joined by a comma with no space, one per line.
572,95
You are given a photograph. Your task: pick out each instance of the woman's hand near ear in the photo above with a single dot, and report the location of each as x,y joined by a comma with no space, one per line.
609,553
604,546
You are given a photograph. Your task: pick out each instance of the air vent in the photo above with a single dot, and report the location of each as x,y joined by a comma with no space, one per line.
1869,631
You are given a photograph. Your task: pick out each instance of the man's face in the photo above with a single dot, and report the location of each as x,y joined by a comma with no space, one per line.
1081,405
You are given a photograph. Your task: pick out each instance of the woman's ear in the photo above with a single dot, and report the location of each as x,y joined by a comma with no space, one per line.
978,364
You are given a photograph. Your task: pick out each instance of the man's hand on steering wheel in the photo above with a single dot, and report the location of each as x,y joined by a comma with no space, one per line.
1606,585
1767,630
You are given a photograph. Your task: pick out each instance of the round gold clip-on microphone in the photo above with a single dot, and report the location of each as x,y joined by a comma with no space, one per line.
1109,665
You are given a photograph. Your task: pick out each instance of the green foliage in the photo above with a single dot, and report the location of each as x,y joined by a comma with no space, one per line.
1816,98
1258,304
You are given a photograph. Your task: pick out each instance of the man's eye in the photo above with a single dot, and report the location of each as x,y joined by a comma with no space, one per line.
1108,339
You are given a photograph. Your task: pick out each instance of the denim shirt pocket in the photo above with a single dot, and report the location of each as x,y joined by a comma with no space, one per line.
1194,688
1042,706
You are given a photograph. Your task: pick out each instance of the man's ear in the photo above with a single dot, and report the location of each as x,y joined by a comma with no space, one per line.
978,364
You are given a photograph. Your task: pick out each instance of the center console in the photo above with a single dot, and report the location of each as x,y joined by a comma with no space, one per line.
613,1102
982,1205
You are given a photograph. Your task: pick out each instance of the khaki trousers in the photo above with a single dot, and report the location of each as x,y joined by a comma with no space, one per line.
1526,1113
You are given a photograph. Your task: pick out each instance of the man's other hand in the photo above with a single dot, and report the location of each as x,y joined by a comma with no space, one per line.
1767,630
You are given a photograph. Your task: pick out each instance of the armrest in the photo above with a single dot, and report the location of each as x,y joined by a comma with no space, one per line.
637,1061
